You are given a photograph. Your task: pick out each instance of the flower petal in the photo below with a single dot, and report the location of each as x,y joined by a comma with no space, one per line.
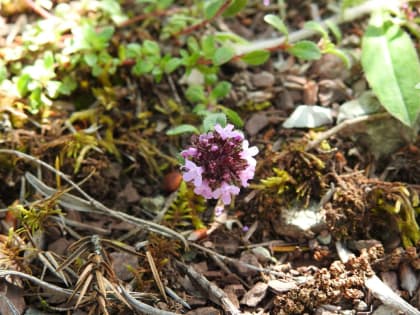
193,173
204,190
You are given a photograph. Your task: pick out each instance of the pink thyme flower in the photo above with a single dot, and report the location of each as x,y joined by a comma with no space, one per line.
193,173
266,2
225,191
219,163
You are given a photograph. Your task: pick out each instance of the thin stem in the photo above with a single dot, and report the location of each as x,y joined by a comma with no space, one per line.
93,203
344,125
347,16
39,10
203,23
145,16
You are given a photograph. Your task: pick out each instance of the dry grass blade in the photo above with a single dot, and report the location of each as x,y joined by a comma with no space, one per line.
49,261
156,275
95,206
38,282
101,291
77,253
83,290
120,246
117,294
142,307
83,282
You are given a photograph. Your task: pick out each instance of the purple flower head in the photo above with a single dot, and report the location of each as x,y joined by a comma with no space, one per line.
219,163
266,2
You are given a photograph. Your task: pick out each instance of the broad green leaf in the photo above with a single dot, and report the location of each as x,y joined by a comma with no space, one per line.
192,44
90,59
256,57
222,55
186,128
235,7
67,86
212,119
48,60
172,64
392,68
142,66
151,48
22,84
232,116
306,50
211,7
195,93
277,23
221,90
317,27
208,45
133,50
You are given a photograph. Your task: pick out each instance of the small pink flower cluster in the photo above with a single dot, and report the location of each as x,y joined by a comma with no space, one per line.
219,163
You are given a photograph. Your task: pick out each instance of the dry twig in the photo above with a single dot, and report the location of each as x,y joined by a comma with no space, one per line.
93,204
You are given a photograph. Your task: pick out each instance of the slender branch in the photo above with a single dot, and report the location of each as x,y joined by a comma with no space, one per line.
93,203
349,15
142,307
203,23
39,10
38,282
344,125
145,16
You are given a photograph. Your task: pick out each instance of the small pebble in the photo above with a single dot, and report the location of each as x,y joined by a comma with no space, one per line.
263,79
324,237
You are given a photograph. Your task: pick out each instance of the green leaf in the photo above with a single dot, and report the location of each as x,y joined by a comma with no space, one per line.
200,110
90,59
306,50
211,7
222,55
151,48
335,30
52,88
317,27
142,66
232,116
133,50
3,72
392,68
221,90
172,64
195,93
277,23
341,54
192,44
67,86
22,84
35,101
186,128
256,57
48,60
208,45
212,119
235,7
